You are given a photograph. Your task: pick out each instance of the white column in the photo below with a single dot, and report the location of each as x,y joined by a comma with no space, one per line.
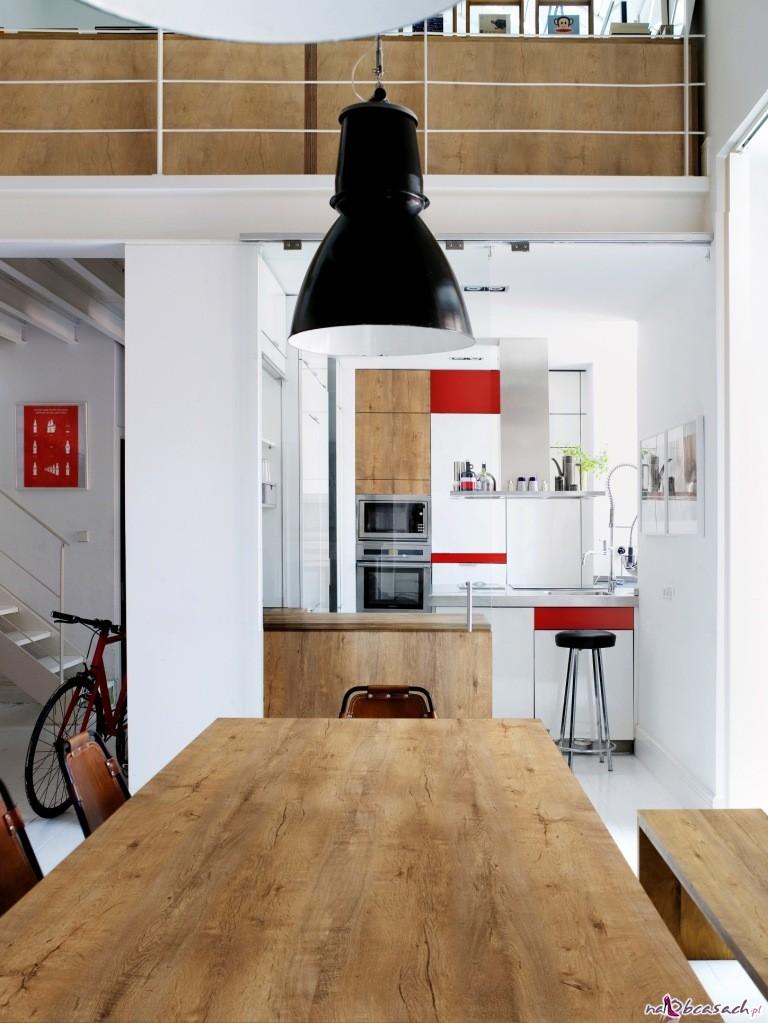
192,494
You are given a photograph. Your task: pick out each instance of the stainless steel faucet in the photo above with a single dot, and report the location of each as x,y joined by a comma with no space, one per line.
606,549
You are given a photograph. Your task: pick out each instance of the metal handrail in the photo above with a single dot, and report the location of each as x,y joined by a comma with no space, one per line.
32,515
63,544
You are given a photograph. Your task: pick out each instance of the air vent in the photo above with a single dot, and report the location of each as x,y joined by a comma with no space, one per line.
493,288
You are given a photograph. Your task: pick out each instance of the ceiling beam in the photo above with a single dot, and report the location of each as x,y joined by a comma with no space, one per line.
37,314
11,330
64,296
104,276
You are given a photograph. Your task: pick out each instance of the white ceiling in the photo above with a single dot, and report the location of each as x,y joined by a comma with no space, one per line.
550,282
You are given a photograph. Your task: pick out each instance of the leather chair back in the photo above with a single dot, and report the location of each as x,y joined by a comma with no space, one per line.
387,702
94,779
19,869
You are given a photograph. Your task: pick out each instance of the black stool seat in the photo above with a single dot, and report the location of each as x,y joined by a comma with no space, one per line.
586,639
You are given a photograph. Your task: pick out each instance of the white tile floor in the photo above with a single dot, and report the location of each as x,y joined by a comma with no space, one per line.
617,797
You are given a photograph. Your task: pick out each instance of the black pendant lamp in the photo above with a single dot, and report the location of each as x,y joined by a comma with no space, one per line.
379,283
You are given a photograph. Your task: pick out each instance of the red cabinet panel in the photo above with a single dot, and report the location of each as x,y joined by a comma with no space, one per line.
466,390
563,618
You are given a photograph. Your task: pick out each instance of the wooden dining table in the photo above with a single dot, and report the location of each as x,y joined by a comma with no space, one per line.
346,872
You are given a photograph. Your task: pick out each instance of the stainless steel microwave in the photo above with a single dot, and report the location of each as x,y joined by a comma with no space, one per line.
393,517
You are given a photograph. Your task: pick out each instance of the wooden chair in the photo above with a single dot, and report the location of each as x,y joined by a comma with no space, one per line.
387,702
546,4
94,779
19,869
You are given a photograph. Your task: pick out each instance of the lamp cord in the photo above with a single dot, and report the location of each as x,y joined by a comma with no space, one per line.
378,70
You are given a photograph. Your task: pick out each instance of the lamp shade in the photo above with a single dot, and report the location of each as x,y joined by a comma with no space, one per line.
379,283
271,21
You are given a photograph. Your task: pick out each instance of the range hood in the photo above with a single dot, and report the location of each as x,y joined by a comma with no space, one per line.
524,365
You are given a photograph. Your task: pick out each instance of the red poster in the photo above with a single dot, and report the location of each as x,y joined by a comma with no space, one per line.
51,445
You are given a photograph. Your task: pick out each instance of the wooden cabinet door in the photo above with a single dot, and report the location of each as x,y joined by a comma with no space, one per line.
410,390
373,390
373,446
409,454
368,486
392,390
421,487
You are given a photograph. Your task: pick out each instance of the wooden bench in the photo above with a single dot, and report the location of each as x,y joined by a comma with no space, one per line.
706,871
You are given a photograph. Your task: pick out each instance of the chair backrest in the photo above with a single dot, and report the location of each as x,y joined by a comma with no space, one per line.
19,869
387,702
94,779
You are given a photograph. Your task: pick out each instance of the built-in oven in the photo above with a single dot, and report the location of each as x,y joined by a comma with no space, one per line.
389,517
394,576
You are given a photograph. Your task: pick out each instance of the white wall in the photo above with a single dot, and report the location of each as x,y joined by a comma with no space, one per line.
192,494
272,518
48,370
746,699
677,639
21,14
735,67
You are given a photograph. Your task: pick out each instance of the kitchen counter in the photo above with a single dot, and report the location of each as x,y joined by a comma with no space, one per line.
296,620
452,596
312,659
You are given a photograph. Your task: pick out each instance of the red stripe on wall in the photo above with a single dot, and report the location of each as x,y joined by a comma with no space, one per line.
469,559
466,390
613,618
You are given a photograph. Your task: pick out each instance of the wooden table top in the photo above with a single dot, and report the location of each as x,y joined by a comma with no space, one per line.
721,859
296,620
348,871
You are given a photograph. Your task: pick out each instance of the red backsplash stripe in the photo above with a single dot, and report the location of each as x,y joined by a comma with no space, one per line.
564,618
469,559
466,390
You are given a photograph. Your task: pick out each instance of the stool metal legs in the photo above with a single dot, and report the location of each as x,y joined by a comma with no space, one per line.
603,745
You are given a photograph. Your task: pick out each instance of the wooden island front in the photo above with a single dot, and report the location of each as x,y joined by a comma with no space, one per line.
311,659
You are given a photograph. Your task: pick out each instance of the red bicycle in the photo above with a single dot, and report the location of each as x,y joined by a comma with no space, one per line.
77,705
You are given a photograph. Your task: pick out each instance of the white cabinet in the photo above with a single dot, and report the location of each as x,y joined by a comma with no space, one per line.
272,318
513,651
543,543
618,667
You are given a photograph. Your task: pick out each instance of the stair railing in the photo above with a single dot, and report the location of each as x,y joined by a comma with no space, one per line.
58,594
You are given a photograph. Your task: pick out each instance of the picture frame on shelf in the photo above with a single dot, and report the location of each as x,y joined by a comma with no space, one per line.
563,25
494,24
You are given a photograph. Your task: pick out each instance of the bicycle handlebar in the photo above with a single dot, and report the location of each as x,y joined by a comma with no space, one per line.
100,624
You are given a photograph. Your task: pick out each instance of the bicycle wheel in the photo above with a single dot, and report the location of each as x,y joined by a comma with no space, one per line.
43,780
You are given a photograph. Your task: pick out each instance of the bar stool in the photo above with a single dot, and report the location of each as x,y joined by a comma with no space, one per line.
575,641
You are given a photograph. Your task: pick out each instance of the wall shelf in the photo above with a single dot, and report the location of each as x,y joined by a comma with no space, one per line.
514,495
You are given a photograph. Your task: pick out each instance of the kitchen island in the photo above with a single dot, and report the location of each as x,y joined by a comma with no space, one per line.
311,659
529,669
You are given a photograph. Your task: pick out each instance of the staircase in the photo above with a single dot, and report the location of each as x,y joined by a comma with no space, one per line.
29,649
33,654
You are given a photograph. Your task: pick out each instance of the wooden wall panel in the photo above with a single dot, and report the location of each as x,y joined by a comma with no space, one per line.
108,106
199,105
55,57
489,59
219,153
475,106
403,61
92,153
392,390
410,453
331,100
209,58
373,446
374,486
555,154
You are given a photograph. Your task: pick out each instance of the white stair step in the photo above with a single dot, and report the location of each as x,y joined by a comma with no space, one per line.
8,609
24,639
52,663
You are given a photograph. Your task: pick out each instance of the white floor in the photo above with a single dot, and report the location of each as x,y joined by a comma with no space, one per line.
617,797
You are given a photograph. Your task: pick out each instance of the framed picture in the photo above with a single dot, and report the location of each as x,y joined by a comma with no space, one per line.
653,505
51,446
685,512
490,24
563,24
671,481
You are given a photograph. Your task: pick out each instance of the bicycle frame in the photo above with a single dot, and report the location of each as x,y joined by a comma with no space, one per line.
98,674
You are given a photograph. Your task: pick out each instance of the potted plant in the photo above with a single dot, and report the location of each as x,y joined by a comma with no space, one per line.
597,464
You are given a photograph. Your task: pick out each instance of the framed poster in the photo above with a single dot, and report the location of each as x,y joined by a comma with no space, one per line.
653,505
51,446
685,445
